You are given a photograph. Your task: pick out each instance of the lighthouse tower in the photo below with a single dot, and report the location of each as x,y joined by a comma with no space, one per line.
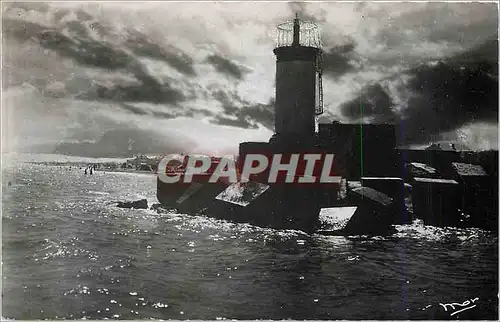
299,92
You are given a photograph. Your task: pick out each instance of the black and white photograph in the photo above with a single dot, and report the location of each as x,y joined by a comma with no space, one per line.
249,160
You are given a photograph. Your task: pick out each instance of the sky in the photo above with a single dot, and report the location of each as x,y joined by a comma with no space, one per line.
111,79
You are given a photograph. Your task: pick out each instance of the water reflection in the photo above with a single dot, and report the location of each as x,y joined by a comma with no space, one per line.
242,194
68,254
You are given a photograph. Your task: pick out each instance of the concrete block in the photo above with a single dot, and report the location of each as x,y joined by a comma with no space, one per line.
436,201
374,214
393,187
333,220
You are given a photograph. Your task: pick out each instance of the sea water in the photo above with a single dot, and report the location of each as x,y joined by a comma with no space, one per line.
69,253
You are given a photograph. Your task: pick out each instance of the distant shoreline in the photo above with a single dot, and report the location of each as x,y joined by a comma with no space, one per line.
84,165
125,170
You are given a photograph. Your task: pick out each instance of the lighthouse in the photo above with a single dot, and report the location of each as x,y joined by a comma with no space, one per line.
370,198
299,92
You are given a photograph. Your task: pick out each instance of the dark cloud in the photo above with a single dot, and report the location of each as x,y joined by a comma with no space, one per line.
239,122
83,16
88,51
444,96
226,66
438,23
121,142
77,28
77,44
98,28
339,60
373,103
483,57
204,112
171,114
133,109
465,34
85,51
20,30
83,48
163,115
249,115
147,90
142,45
228,101
260,113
